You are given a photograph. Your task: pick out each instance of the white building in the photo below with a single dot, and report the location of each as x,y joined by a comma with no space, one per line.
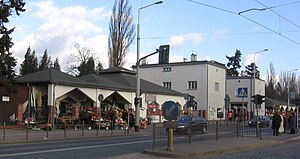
205,80
236,103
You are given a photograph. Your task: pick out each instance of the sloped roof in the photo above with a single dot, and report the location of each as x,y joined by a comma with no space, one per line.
271,102
114,78
52,76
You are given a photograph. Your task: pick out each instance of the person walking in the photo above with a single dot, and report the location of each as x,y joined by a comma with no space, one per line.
292,123
276,123
281,128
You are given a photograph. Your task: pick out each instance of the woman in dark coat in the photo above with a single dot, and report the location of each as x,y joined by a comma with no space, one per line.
292,123
276,124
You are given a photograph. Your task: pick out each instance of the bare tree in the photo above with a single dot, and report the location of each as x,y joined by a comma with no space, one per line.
121,33
271,92
81,63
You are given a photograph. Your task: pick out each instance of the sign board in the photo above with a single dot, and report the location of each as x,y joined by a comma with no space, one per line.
242,92
100,97
220,113
5,98
170,110
170,124
150,97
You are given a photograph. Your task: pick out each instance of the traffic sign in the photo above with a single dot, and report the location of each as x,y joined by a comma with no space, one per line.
242,92
170,110
5,98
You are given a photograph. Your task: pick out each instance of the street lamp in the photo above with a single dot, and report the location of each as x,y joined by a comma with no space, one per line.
253,91
138,94
254,73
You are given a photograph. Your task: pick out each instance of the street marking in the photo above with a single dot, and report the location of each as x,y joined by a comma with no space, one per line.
72,148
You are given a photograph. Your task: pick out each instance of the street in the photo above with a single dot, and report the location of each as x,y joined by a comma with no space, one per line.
97,147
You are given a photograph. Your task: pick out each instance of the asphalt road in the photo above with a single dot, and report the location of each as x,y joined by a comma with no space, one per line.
96,148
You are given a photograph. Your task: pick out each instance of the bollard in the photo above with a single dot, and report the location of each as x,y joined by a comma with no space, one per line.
170,141
26,131
65,129
190,133
154,136
237,129
82,134
4,124
217,130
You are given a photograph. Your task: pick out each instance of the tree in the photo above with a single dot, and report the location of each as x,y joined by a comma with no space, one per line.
56,64
7,8
87,67
99,68
234,64
250,70
83,62
271,91
121,33
45,61
30,63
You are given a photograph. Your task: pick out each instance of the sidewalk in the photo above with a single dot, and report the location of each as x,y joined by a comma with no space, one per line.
21,135
209,148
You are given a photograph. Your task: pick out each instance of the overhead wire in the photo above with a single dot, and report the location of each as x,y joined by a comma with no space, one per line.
221,34
232,12
270,8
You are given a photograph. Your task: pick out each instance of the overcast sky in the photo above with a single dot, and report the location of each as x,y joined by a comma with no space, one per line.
211,29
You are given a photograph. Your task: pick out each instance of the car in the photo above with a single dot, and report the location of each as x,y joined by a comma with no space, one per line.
262,121
197,123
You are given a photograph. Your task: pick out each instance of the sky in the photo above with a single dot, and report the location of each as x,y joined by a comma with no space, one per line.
212,29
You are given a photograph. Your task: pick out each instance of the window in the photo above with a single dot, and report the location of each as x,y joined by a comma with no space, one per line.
167,69
217,86
195,106
167,85
192,85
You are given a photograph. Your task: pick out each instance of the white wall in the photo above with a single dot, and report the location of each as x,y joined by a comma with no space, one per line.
206,75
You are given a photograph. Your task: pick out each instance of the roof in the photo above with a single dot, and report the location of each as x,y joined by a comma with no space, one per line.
271,102
242,77
211,62
113,79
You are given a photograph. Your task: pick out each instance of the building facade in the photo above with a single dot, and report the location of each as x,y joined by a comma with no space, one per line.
204,80
237,103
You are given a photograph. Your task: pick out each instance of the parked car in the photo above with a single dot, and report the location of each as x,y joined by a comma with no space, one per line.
262,121
197,124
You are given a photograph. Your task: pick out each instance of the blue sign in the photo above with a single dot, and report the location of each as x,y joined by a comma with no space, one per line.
242,92
170,110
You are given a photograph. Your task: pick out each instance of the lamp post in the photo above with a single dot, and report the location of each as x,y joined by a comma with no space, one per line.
253,91
137,104
254,73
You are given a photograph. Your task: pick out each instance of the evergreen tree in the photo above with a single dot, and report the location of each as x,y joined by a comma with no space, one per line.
234,64
250,70
45,62
87,67
30,63
56,64
99,68
7,61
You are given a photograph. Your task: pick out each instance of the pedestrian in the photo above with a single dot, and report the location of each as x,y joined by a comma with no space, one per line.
131,120
281,128
276,124
292,123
